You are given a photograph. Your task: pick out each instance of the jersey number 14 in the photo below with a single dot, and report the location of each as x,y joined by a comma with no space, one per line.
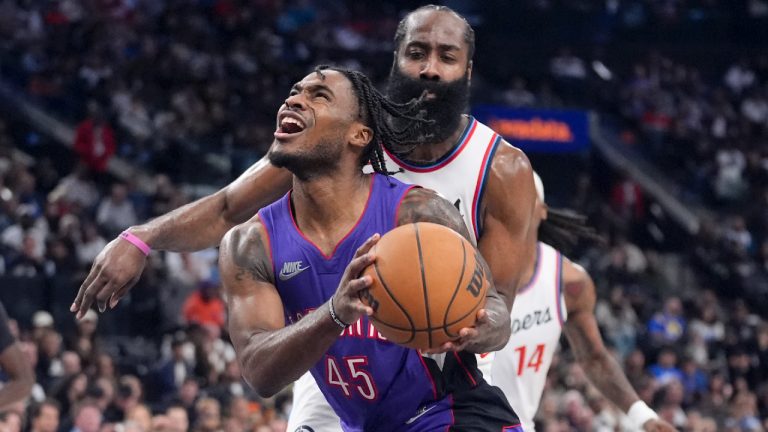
533,362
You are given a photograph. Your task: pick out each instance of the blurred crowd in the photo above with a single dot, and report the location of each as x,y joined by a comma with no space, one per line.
171,84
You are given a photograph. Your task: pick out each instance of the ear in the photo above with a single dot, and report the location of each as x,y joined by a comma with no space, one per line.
469,71
359,135
544,211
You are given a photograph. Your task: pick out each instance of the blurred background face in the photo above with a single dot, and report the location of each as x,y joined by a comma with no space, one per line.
48,420
178,420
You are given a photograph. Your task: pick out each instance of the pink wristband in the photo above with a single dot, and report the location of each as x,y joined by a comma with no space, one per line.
139,243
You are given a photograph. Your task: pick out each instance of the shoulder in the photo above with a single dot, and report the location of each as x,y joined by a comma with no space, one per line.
426,205
510,181
246,247
578,287
511,164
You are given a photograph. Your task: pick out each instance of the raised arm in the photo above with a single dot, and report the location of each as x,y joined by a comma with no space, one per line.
195,226
492,330
587,344
506,215
273,355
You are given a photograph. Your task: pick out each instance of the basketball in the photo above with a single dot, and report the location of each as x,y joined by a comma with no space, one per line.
427,285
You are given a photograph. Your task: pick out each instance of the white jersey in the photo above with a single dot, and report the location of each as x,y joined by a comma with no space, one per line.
460,176
520,368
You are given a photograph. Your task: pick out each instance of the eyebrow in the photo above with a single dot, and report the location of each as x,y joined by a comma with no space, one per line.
313,88
441,47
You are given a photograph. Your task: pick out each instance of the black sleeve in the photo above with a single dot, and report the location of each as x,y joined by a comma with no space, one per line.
6,338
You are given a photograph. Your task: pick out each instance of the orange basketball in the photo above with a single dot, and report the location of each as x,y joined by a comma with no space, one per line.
427,285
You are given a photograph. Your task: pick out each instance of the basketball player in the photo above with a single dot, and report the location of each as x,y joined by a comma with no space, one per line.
283,323
560,295
15,365
488,180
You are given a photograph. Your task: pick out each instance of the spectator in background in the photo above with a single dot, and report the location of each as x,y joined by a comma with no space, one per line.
205,307
665,369
618,320
173,372
44,416
92,243
95,140
116,213
87,418
178,419
14,365
207,415
668,326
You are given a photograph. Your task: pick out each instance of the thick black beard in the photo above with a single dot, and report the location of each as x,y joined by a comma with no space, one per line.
323,159
444,111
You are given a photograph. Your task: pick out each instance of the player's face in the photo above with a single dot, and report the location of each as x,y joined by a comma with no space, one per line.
433,57
313,123
433,48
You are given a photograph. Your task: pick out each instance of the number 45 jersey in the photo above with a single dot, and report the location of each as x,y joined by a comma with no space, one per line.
371,383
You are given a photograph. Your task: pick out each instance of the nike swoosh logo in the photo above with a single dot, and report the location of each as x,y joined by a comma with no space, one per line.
286,276
417,416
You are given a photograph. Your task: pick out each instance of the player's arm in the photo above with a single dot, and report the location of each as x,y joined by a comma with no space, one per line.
15,365
507,211
271,354
492,330
587,344
195,226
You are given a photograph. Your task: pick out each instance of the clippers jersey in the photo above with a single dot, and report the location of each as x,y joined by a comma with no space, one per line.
520,368
371,383
459,176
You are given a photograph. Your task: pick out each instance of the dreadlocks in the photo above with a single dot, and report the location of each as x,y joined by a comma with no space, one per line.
563,228
376,111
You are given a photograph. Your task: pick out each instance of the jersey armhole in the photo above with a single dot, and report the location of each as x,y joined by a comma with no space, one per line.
562,311
482,181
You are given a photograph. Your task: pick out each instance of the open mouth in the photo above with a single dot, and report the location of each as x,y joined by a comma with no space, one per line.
290,125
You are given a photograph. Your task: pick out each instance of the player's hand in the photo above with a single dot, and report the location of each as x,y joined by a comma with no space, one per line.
468,336
346,301
658,425
115,270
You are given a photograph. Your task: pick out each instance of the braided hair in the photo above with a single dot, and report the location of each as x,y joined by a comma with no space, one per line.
376,112
563,228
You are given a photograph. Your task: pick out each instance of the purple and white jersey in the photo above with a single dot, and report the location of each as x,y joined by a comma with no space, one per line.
371,383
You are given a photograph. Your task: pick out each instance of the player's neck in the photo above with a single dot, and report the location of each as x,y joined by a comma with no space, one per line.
430,152
327,207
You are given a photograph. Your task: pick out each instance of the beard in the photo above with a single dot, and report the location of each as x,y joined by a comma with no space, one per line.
321,160
443,111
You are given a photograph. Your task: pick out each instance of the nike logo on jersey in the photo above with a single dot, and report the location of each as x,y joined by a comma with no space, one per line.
291,269
532,319
423,411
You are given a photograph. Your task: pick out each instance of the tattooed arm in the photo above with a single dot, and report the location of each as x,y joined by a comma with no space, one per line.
587,344
492,329
273,355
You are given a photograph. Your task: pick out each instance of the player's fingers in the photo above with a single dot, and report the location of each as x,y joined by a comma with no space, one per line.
468,333
120,292
92,275
358,264
482,315
365,247
359,284
106,292
89,295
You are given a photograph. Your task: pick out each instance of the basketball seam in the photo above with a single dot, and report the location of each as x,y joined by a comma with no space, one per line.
394,299
423,283
458,285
